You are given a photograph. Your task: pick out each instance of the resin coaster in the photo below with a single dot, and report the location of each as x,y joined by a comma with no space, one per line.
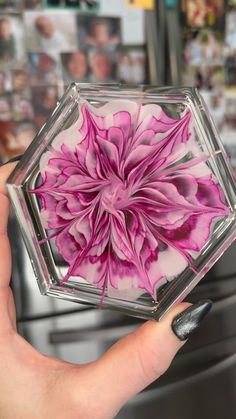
125,197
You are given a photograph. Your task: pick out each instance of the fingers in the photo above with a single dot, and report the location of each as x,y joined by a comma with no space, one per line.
7,320
5,172
5,261
143,356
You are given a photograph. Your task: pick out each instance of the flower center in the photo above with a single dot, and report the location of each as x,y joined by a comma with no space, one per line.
115,196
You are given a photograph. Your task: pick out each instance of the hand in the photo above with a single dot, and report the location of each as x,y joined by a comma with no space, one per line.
35,386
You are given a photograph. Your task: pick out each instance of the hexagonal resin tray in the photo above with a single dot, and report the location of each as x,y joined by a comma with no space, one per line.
125,197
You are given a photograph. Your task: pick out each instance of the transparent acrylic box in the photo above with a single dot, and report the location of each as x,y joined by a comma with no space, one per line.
125,197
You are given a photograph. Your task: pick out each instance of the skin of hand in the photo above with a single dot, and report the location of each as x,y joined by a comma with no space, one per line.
35,386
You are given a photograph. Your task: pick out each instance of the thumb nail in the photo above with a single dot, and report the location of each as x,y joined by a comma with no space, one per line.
190,319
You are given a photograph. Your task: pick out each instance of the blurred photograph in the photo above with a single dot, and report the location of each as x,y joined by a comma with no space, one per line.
80,5
6,133
230,97
203,13
99,32
216,103
72,3
204,77
228,139
5,82
33,4
229,128
51,32
53,3
24,134
44,101
21,108
20,80
132,65
203,47
230,33
5,108
230,68
7,40
15,137
101,67
11,39
74,67
11,5
89,5
43,69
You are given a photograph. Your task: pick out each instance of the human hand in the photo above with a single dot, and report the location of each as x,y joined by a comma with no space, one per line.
35,386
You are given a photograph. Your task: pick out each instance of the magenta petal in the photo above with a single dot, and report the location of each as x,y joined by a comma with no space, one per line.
110,152
50,218
122,120
81,182
210,194
93,270
62,210
74,205
68,248
120,241
161,269
193,234
81,228
116,137
137,155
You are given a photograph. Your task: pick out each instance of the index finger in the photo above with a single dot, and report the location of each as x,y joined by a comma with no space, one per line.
5,262
5,172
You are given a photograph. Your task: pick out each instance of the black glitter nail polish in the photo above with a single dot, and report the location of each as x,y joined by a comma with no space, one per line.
190,319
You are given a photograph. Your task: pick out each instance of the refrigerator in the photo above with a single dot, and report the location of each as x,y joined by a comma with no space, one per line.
201,381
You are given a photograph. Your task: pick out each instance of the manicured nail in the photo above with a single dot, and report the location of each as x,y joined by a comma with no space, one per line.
12,160
190,319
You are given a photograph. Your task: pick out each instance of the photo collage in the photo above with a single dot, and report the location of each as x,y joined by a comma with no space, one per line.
43,48
209,61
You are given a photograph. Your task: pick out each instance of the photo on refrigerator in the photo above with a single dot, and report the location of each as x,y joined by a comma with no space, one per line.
203,47
75,67
12,40
52,32
33,4
84,6
5,82
15,138
11,5
22,108
44,100
203,76
20,80
43,69
99,32
102,67
229,129
203,13
132,65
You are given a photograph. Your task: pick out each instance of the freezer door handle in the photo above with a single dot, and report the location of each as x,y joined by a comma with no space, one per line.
223,303
217,368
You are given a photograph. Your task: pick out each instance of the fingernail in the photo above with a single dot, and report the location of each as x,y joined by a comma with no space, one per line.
12,160
190,319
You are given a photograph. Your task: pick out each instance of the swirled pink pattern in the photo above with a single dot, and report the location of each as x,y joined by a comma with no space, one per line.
130,195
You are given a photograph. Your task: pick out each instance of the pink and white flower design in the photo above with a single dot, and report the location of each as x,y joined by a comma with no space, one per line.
130,195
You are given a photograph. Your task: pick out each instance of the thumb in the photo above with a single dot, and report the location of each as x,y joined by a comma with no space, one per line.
141,357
